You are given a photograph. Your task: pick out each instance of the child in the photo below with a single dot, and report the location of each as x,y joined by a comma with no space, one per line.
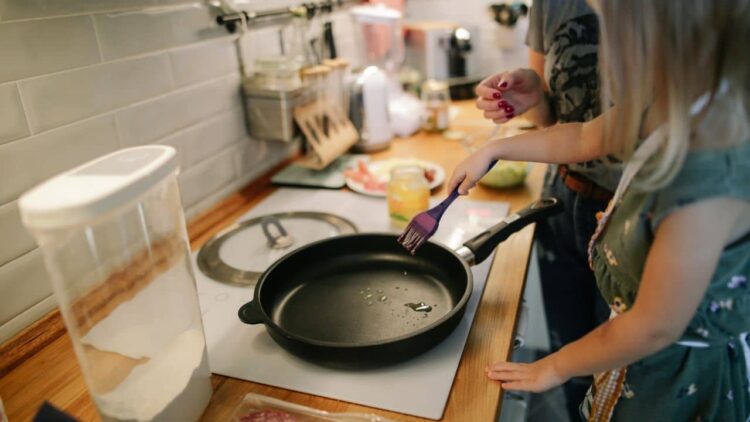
672,251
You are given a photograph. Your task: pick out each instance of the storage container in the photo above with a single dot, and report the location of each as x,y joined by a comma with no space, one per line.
114,241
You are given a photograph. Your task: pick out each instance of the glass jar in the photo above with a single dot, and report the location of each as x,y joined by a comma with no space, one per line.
277,73
408,194
113,237
437,101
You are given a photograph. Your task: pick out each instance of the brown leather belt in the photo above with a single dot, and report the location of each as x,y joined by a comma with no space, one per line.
581,185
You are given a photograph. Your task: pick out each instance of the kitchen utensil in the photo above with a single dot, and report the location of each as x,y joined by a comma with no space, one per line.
425,224
270,112
426,48
263,234
460,46
361,301
113,236
368,109
328,134
331,177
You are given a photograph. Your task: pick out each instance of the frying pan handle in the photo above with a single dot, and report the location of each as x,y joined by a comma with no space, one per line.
482,245
250,313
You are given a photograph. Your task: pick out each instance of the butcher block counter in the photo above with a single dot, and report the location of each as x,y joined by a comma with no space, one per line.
39,363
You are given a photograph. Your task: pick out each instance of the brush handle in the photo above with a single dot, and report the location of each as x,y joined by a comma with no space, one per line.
441,207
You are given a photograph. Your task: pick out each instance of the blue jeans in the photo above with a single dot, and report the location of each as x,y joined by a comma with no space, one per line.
572,301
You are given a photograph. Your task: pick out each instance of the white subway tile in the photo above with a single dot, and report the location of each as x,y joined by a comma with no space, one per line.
153,120
66,97
214,136
11,228
26,162
25,9
36,47
201,181
128,34
23,281
255,157
12,119
196,64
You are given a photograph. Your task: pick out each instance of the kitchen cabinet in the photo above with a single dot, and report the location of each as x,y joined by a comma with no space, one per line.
51,372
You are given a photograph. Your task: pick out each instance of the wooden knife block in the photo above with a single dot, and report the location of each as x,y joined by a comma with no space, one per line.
328,131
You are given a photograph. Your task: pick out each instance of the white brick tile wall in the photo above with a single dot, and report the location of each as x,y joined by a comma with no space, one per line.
213,135
152,120
26,278
69,96
11,228
30,48
26,162
123,35
14,121
202,180
205,61
29,9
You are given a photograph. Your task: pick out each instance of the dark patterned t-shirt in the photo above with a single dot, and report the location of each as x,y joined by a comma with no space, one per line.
567,33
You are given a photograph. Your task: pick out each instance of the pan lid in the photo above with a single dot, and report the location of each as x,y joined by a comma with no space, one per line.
241,253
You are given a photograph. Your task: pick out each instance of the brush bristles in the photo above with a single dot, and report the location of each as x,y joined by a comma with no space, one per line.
412,238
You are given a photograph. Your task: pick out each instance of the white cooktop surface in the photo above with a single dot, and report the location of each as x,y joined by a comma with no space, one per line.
419,386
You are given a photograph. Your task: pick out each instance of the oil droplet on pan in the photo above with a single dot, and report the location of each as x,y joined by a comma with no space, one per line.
419,307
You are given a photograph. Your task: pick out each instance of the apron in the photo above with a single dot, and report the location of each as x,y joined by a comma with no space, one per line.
609,385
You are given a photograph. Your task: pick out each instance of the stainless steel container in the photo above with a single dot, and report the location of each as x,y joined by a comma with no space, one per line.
270,112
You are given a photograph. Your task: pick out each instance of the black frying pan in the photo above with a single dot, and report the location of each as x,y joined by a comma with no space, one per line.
362,300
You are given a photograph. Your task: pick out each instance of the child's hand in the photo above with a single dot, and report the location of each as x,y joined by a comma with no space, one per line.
468,172
536,377
505,95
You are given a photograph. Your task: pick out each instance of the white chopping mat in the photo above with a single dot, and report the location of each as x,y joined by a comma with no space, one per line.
419,386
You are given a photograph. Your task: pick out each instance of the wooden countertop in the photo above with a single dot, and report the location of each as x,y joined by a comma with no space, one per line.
51,373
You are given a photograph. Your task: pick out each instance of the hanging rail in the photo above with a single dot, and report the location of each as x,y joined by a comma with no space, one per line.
309,10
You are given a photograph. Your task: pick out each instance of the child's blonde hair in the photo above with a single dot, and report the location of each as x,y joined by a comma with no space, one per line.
663,54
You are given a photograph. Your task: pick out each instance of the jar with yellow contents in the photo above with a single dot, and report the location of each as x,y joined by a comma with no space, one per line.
408,194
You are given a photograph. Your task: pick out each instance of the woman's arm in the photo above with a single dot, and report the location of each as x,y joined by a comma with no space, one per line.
564,143
679,266
540,115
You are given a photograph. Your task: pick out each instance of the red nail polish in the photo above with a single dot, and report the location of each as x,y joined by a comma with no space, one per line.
510,115
509,109
496,95
502,103
504,85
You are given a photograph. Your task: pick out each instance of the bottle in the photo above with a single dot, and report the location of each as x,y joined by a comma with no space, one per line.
408,194
437,101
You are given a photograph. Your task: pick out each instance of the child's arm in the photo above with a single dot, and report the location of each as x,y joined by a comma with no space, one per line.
564,143
679,266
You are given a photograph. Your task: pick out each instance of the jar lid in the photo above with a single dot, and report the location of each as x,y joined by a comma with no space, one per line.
97,187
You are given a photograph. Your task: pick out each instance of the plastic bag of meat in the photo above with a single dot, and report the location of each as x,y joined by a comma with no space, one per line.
259,408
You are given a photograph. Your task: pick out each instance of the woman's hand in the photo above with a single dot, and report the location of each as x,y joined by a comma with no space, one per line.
505,95
535,377
468,172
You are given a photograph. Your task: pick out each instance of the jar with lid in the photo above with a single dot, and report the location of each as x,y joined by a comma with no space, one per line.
408,194
112,233
437,101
